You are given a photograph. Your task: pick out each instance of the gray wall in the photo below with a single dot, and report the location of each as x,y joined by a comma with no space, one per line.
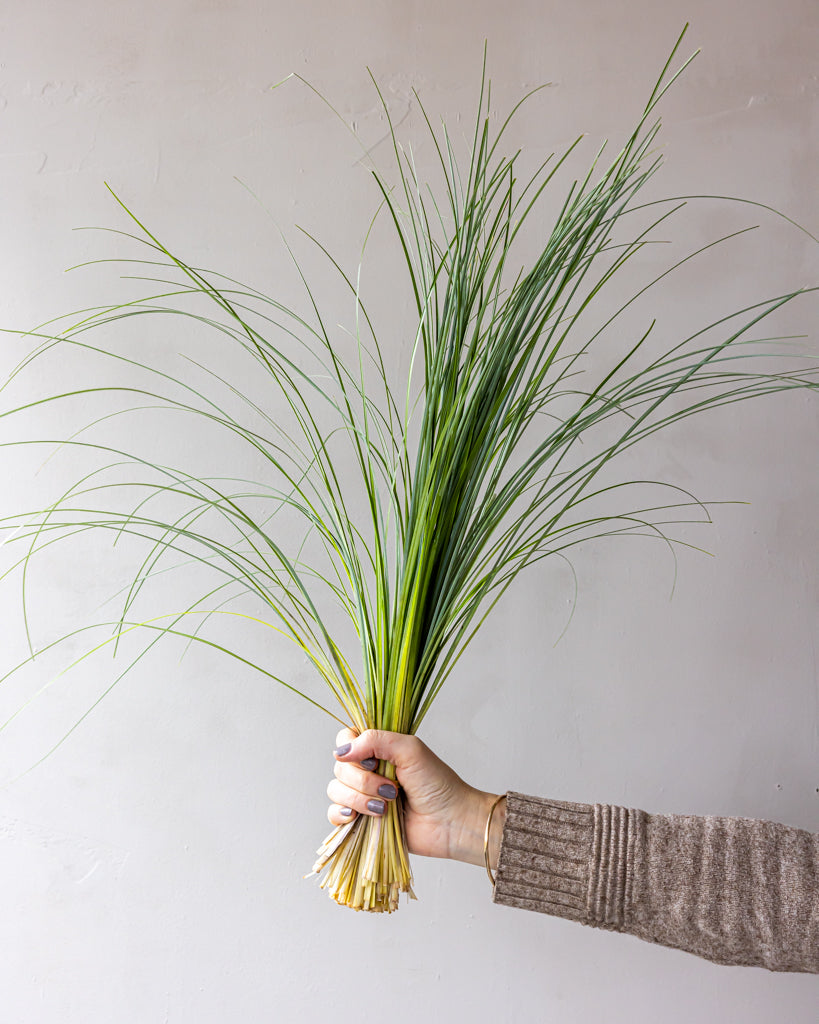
151,869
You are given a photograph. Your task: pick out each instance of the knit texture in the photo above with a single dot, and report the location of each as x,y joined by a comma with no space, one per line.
732,890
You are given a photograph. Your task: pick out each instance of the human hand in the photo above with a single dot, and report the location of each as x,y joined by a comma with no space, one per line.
443,816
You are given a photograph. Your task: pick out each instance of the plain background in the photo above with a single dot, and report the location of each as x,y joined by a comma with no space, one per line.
151,869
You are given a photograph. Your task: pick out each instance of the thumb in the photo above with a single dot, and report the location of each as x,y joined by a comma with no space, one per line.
395,747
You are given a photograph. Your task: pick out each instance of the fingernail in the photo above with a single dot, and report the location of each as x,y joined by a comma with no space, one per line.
376,806
388,790
345,748
345,812
370,764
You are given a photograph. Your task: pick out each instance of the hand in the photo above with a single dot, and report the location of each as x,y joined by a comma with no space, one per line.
443,816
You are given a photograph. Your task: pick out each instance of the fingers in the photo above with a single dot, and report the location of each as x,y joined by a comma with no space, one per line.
338,815
359,790
366,782
356,789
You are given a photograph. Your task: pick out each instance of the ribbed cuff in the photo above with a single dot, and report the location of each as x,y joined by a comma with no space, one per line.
566,859
544,856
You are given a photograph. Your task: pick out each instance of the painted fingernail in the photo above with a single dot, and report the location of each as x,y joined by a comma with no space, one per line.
345,748
376,806
369,764
388,790
346,812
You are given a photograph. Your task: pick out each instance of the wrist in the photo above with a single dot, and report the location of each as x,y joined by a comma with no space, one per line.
468,841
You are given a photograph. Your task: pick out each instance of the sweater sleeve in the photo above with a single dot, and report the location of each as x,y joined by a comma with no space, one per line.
732,890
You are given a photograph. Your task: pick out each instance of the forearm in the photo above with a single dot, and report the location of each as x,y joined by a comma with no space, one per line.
731,890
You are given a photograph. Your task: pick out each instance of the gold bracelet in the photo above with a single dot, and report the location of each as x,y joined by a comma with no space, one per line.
486,838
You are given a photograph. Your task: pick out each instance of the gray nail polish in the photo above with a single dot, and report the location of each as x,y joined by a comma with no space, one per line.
376,806
346,812
369,764
388,790
343,749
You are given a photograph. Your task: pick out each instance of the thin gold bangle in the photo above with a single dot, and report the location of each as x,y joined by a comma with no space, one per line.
486,838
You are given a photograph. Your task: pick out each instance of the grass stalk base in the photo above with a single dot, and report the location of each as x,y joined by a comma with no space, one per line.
367,862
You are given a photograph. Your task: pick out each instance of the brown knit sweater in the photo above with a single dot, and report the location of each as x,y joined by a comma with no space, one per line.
732,890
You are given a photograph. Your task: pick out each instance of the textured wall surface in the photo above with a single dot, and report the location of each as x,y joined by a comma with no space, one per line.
151,868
